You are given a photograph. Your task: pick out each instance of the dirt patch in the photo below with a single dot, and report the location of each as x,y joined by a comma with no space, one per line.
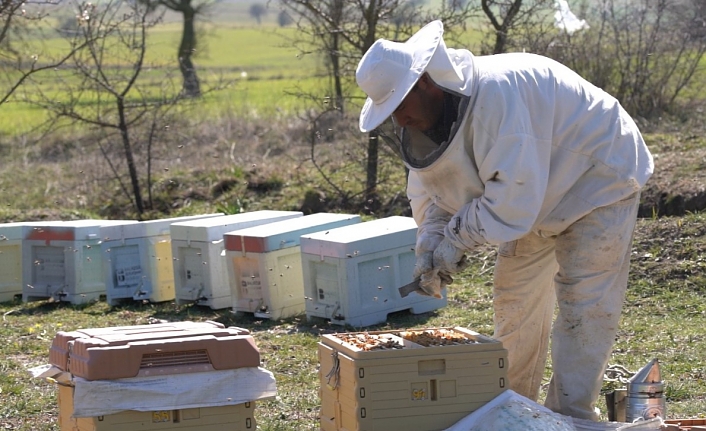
678,185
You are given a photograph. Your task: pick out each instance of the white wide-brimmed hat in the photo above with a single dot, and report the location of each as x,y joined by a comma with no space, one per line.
389,70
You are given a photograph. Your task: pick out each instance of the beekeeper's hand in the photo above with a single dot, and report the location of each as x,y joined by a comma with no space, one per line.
431,280
449,259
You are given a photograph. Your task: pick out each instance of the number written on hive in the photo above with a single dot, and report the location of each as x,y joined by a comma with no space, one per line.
161,416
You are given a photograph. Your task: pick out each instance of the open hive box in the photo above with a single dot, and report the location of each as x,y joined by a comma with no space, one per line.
417,379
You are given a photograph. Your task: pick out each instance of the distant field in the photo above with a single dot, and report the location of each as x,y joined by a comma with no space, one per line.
255,61
258,62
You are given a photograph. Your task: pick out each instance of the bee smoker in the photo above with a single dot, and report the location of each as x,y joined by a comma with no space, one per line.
645,394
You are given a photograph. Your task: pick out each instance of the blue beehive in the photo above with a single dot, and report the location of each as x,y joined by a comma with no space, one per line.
352,274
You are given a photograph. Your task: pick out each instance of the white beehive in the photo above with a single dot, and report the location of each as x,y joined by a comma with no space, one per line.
265,266
64,261
198,251
12,237
137,260
352,273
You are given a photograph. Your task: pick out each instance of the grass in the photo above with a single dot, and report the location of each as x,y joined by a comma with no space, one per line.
244,137
257,62
663,317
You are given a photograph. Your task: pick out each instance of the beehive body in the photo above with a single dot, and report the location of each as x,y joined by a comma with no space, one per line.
265,265
138,261
198,251
415,389
11,244
66,261
351,274
110,372
236,418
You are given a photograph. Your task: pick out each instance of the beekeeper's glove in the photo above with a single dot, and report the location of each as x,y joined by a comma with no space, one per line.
448,258
431,279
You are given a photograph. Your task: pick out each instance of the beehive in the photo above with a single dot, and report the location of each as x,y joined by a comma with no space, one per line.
352,273
414,380
165,349
198,251
12,237
265,266
64,261
238,417
138,261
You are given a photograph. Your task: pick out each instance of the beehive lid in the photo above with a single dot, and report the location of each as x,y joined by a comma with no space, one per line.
59,350
147,228
362,238
115,356
284,234
409,342
20,230
162,226
73,230
213,228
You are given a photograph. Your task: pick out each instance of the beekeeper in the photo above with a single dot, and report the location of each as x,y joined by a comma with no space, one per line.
517,150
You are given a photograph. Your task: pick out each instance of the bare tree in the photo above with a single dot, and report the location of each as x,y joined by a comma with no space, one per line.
20,61
646,53
509,18
257,11
284,19
104,91
190,10
341,31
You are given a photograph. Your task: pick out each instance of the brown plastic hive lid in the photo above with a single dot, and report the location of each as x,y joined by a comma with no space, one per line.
59,351
117,356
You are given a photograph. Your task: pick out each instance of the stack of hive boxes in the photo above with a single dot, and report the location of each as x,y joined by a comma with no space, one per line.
12,236
64,261
198,250
116,366
137,260
265,266
413,380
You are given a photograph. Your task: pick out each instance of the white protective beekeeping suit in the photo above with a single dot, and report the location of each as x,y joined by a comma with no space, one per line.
548,167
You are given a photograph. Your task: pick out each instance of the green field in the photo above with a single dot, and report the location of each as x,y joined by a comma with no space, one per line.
259,63
255,64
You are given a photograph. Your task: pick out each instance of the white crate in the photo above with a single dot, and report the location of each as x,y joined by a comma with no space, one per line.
137,263
64,261
198,251
12,237
352,273
265,266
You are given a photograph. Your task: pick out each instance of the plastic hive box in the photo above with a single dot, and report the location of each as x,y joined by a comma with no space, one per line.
382,380
265,266
12,236
59,350
160,352
138,262
198,250
238,417
64,261
352,273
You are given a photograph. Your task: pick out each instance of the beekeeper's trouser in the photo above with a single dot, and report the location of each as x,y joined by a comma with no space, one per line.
585,270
